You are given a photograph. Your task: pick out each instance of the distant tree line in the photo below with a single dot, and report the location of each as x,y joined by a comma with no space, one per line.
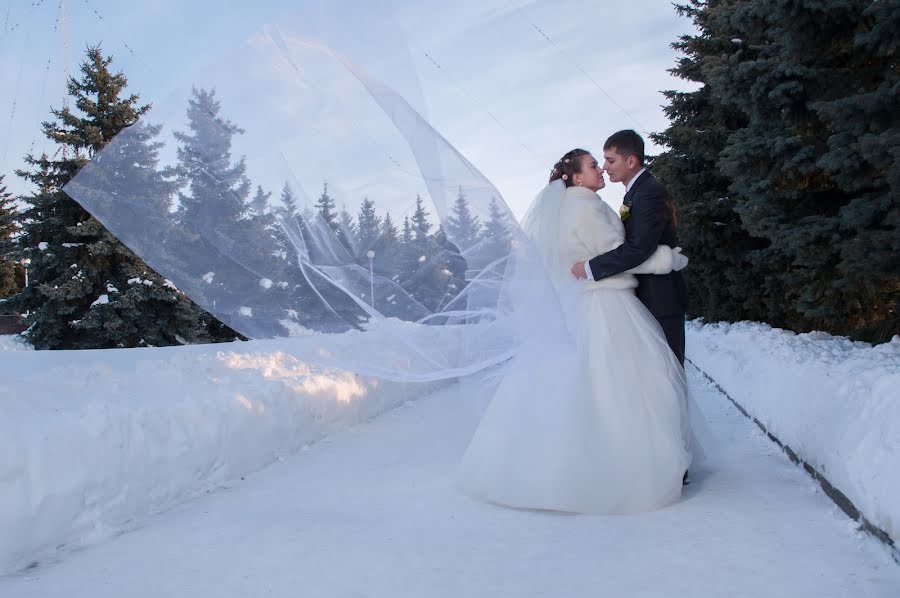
88,290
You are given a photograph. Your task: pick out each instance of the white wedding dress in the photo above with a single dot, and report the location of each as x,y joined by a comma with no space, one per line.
601,427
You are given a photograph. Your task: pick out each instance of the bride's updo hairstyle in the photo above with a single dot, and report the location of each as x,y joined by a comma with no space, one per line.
568,166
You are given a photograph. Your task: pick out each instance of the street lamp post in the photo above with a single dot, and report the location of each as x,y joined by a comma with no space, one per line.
25,263
371,255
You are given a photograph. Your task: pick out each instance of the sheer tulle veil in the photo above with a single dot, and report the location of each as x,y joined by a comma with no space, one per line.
240,187
235,188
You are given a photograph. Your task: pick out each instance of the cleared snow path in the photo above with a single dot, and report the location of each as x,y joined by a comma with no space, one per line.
372,512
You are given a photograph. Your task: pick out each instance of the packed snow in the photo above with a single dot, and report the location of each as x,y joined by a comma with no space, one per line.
834,401
139,280
97,443
373,511
101,300
94,440
14,342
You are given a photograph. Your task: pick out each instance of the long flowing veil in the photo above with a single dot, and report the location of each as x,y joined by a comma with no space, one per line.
288,190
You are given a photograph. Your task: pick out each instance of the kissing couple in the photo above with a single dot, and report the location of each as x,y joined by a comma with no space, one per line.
599,423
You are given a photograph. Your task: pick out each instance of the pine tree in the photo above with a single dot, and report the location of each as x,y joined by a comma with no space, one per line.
444,272
287,224
864,129
290,224
405,261
390,236
218,190
388,248
407,235
216,212
463,227
82,291
10,282
326,207
420,223
784,163
349,230
415,248
260,202
369,226
496,233
724,271
289,200
812,172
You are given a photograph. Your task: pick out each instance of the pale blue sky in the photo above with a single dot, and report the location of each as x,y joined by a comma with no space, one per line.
510,100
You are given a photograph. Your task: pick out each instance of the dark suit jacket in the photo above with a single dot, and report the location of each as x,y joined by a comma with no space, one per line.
650,224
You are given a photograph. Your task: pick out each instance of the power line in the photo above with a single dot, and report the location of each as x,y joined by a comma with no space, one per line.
482,106
578,66
122,41
18,85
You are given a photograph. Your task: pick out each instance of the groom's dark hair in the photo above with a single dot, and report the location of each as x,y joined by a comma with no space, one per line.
626,143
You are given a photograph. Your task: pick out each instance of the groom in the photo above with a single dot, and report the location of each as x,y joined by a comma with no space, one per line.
649,218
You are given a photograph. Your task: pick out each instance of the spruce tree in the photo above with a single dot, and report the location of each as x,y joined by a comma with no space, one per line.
243,260
326,208
389,233
86,289
863,160
415,249
349,230
407,234
289,200
784,163
368,227
260,202
387,248
10,280
420,223
496,235
811,169
405,259
463,226
289,222
218,191
724,271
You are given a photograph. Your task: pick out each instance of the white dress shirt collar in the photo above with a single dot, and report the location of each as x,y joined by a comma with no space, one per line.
634,178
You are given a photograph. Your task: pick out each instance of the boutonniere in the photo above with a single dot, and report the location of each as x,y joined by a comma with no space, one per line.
624,212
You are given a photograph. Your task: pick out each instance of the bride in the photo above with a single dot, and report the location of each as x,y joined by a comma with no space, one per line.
597,422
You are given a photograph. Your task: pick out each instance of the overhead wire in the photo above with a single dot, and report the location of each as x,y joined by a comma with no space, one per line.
577,65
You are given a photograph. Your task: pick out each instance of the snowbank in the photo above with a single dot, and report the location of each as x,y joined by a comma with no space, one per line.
835,402
91,441
14,342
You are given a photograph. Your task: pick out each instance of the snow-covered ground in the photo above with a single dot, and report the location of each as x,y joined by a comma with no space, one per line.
126,469
13,342
93,441
373,512
835,402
